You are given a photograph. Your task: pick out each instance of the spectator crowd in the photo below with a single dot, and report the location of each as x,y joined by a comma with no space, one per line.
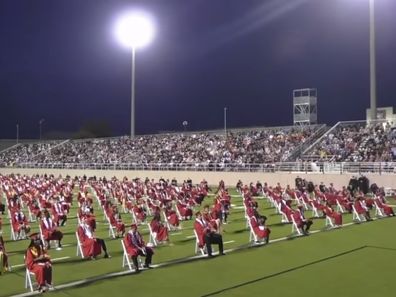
346,142
358,142
238,147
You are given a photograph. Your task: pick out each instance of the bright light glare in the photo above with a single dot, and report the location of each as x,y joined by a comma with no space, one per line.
135,30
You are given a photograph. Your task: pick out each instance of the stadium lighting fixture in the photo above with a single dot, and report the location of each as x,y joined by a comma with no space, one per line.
134,30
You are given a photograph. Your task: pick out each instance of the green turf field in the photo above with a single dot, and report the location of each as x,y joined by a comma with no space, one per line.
356,260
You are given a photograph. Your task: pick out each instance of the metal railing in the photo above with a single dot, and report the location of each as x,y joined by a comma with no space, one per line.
307,167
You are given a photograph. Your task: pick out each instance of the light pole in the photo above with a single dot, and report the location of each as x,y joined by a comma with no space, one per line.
134,30
185,124
373,79
225,121
40,125
17,133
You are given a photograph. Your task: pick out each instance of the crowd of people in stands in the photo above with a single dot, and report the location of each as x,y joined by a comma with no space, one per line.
358,142
238,147
162,205
351,142
23,152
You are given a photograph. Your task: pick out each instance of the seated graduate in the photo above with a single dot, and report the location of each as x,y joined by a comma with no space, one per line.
38,261
136,246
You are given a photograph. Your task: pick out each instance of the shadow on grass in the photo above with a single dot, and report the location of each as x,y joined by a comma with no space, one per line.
283,272
278,224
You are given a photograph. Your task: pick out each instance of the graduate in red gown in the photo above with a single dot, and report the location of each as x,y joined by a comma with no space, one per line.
38,261
136,246
259,227
3,257
162,232
50,230
335,215
91,245
20,224
302,223
207,235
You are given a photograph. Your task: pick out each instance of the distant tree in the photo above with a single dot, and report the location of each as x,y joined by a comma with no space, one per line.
94,129
55,134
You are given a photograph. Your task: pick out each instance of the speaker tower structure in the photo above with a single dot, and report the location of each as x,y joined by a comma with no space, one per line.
305,107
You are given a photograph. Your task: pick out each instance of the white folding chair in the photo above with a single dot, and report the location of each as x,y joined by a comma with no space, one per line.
329,222
178,213
168,225
54,242
32,217
197,247
315,211
340,208
126,261
28,279
379,212
253,236
112,232
125,258
12,233
278,206
284,218
356,216
80,251
153,235
301,201
295,228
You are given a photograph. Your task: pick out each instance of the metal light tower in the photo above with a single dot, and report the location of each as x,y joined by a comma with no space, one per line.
373,79
134,30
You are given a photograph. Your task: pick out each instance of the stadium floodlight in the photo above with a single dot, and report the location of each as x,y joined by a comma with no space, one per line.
134,30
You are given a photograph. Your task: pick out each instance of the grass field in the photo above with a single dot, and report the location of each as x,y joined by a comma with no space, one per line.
355,260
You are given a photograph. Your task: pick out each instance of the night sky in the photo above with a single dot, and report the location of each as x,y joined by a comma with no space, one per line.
59,61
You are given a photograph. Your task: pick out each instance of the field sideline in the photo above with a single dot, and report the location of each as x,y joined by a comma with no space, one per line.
351,261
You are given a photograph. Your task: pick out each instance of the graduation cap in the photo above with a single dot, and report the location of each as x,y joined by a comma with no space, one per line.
34,236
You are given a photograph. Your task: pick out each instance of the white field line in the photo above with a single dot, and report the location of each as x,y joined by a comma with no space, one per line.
231,241
53,260
177,233
63,245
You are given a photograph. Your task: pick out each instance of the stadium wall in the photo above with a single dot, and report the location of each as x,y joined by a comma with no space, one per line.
213,178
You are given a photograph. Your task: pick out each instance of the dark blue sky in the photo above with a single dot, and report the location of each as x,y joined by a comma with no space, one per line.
59,60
